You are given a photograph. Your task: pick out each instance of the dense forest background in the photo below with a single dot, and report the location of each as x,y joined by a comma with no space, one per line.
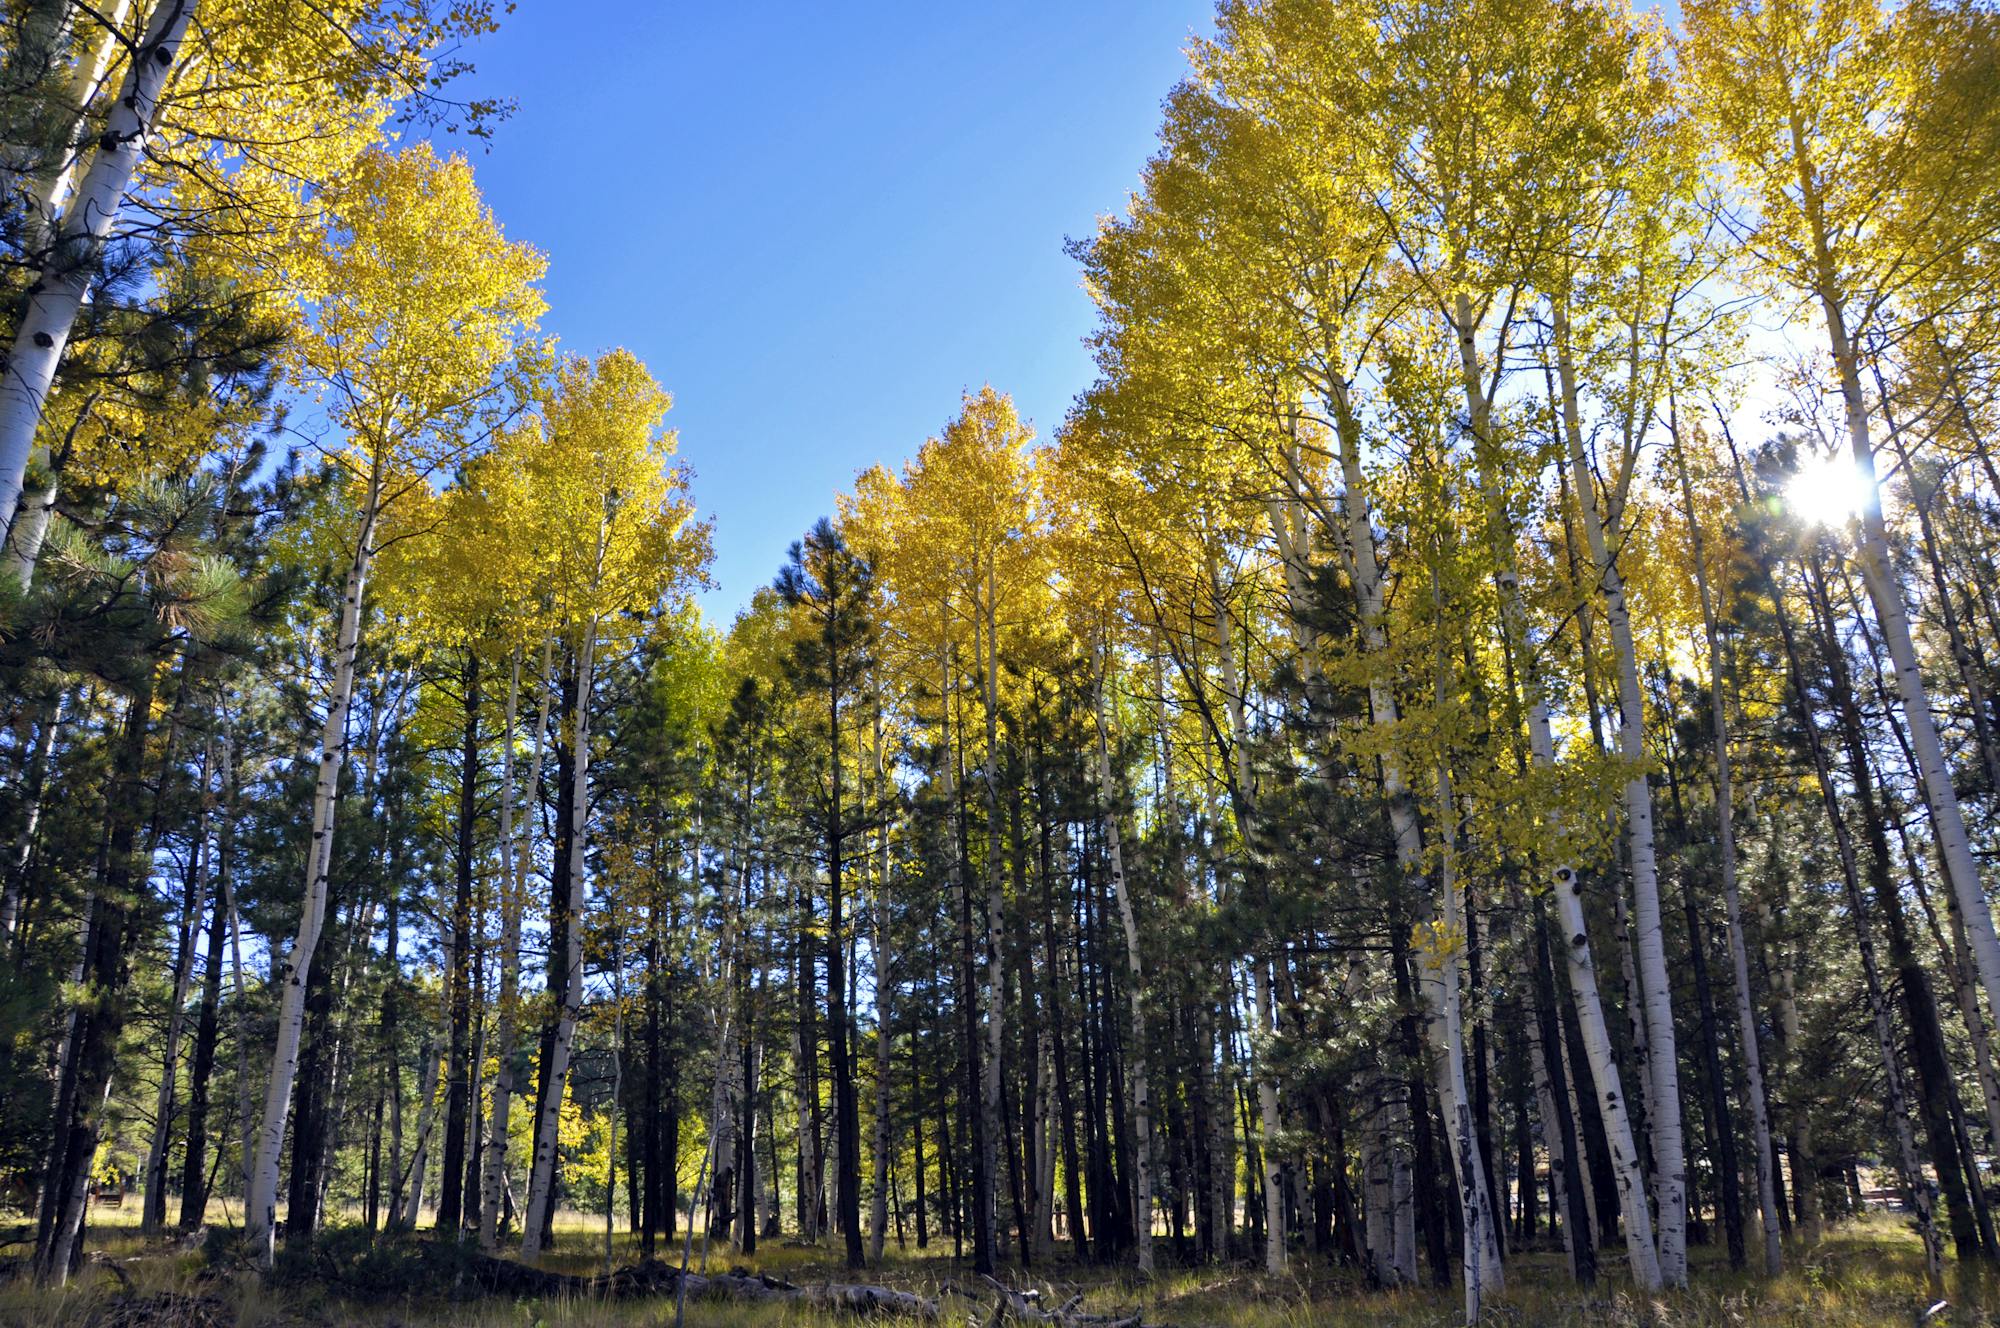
1479,734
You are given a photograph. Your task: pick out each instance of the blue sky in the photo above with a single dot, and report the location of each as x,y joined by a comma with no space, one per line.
818,224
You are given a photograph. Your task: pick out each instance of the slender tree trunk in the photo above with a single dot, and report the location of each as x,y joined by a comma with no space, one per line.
1662,1063
1878,574
982,1195
58,292
414,1177
1568,885
1739,953
994,1010
516,861
201,1064
1140,1104
90,1055
459,1079
541,1197
154,1216
847,1131
885,993
261,1204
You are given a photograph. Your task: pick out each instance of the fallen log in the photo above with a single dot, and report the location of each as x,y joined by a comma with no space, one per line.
1025,1307
844,1297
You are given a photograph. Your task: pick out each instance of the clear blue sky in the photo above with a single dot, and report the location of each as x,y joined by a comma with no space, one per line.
818,224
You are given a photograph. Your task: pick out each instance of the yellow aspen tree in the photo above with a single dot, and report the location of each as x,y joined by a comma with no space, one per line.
617,530
1821,110
419,307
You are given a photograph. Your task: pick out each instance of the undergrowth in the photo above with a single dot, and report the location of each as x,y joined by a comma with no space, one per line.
1866,1274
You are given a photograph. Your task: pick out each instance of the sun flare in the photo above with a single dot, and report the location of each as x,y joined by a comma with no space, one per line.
1827,490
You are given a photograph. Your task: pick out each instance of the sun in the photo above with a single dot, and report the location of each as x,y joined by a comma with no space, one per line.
1827,490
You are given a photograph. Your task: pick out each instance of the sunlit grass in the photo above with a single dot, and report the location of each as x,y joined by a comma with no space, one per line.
1861,1275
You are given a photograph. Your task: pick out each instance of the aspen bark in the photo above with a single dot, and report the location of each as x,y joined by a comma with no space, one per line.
994,1008
261,1201
1568,886
541,1180
1140,1102
1444,960
1878,574
405,1217
66,276
1739,953
516,862
1260,977
1662,1063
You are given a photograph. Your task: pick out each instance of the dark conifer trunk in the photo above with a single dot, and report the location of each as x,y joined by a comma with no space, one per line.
201,1063
458,1080
85,1075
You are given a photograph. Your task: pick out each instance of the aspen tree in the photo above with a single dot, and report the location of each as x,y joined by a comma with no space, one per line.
615,525
420,304
1815,107
234,142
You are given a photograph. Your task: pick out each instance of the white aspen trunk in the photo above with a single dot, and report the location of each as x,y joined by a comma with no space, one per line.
1878,574
1573,1088
1553,1139
726,1126
427,1085
1140,1103
261,1201
59,290
1635,1012
1567,888
728,1068
1402,1184
515,866
1975,1025
1379,1225
1739,954
1441,961
1662,1061
1260,976
1221,1140
983,1216
538,1216
51,186
1445,959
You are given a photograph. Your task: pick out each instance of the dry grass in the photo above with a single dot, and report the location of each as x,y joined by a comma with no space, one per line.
1864,1275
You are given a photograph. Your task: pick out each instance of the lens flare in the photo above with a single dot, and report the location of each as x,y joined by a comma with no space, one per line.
1828,490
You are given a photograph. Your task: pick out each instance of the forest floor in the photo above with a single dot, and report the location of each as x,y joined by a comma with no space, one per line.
1861,1275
